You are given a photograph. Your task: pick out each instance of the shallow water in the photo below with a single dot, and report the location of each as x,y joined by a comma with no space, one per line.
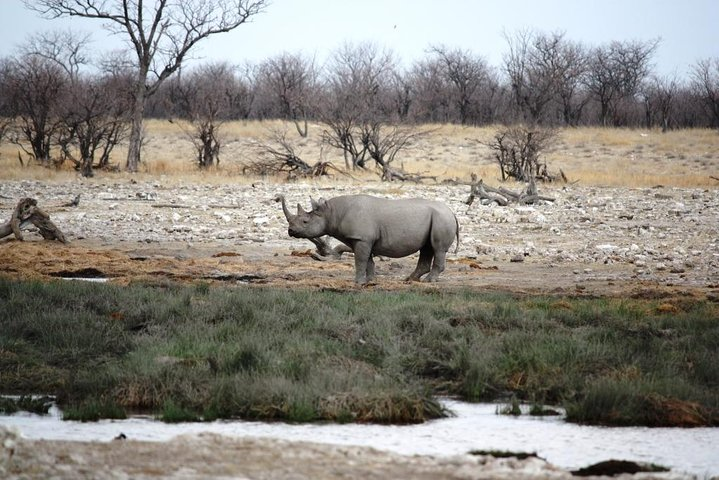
475,427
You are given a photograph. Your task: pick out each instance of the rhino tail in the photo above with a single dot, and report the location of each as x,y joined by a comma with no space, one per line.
456,247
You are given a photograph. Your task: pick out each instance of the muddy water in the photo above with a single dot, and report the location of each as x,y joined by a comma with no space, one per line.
474,427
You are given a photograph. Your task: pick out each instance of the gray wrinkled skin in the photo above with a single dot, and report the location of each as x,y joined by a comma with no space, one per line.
379,226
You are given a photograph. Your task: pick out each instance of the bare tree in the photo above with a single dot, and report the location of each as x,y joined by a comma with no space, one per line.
35,88
205,97
290,81
160,34
465,73
573,66
659,95
432,92
7,113
544,69
705,79
401,94
357,87
95,119
616,71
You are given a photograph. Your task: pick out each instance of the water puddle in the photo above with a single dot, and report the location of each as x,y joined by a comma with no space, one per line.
475,427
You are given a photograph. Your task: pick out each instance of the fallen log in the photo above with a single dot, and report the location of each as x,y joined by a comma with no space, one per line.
325,252
26,213
503,196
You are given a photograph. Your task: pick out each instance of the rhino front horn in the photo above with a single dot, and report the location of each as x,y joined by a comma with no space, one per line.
281,198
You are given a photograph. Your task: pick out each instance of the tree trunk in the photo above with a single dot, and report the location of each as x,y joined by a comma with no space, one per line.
138,114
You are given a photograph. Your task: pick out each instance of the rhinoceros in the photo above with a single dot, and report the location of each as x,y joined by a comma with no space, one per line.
380,226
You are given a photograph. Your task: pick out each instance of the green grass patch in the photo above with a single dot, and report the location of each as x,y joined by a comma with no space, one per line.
173,413
189,352
93,410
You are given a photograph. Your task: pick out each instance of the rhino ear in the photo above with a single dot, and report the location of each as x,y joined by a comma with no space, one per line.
321,204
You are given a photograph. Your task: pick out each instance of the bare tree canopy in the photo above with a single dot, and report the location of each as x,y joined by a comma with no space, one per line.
63,47
466,74
290,82
706,82
161,34
544,69
616,71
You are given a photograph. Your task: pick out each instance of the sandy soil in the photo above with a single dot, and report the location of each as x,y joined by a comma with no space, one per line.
214,456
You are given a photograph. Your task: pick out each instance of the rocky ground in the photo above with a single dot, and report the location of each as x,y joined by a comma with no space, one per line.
590,240
653,242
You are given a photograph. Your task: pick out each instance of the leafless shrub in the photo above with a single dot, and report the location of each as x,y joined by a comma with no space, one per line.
205,97
517,150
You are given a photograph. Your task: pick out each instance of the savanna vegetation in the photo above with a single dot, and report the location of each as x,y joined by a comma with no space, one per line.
60,106
191,352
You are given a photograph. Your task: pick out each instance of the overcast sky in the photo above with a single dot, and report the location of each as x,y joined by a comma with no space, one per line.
689,29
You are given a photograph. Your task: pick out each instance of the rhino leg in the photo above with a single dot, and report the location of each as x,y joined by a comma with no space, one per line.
363,258
370,269
437,266
423,265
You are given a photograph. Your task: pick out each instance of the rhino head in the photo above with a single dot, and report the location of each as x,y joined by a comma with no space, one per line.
306,224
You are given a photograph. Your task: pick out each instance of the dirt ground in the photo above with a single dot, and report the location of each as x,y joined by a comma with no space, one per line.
589,241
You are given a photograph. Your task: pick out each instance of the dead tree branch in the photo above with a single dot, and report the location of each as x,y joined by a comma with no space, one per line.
281,156
503,196
27,212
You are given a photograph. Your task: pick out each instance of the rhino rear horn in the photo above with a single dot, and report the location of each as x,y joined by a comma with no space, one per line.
300,211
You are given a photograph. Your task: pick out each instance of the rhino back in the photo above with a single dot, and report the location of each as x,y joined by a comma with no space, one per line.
396,227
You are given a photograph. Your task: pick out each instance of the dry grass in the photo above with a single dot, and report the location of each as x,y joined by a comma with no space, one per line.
591,156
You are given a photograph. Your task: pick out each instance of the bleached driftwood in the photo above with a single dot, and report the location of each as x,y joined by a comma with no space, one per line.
26,213
503,196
